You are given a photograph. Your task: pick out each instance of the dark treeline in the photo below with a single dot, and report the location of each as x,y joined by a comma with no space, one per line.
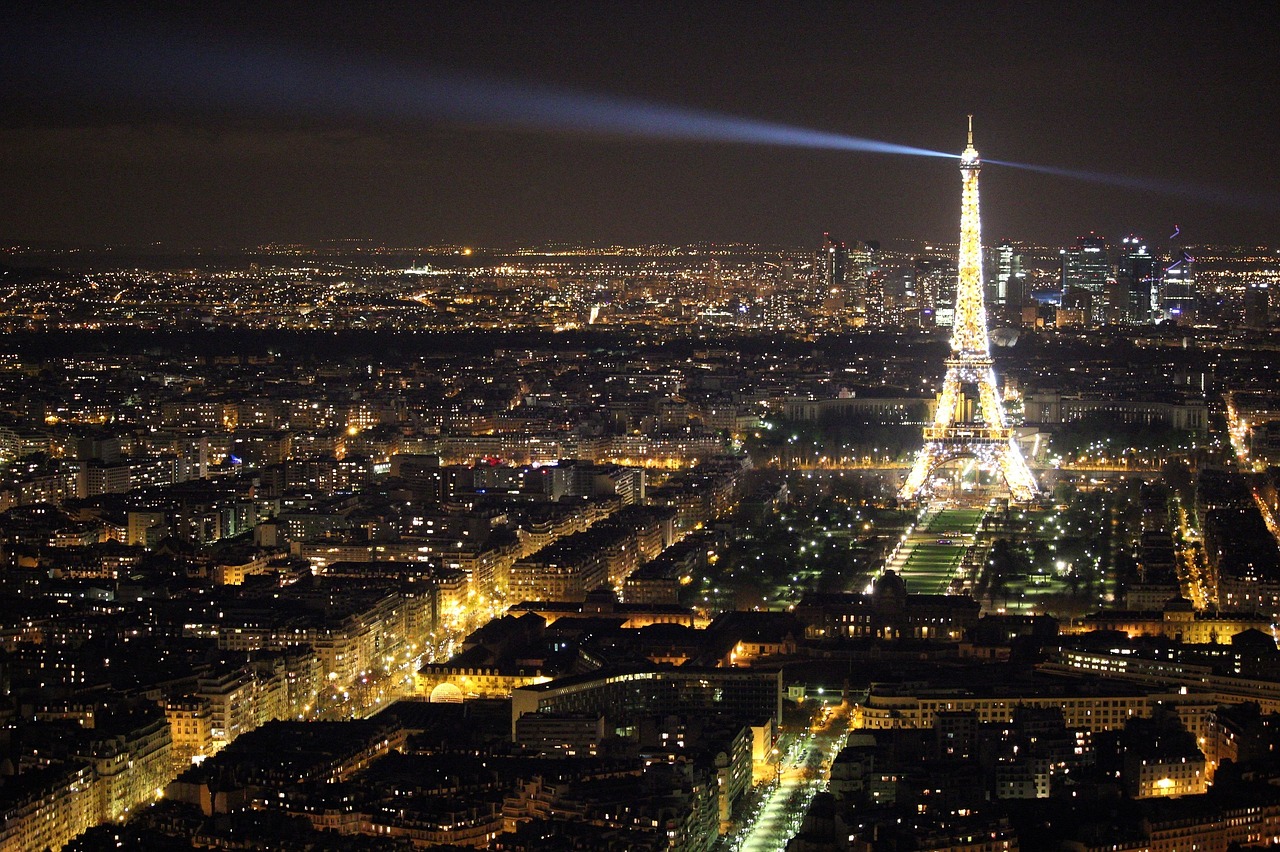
1111,430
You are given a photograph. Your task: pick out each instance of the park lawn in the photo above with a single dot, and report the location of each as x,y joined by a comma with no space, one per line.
929,568
963,520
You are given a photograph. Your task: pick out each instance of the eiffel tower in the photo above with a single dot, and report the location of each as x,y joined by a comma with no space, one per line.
983,435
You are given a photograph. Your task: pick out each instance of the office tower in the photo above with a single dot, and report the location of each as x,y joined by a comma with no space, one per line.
835,263
1135,278
877,298
1009,275
1257,305
933,287
1177,300
862,260
1085,269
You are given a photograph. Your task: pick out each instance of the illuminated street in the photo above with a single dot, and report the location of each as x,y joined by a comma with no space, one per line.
803,771
1196,577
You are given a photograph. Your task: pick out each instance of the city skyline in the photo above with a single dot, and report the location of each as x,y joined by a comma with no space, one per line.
542,428
135,127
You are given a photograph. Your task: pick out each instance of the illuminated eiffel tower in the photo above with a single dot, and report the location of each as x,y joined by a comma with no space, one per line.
955,432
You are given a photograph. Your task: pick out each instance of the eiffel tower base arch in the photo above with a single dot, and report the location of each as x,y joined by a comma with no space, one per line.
1002,458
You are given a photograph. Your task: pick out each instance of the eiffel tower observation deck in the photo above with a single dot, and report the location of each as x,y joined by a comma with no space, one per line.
961,428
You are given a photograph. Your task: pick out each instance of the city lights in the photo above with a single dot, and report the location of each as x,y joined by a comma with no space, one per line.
506,427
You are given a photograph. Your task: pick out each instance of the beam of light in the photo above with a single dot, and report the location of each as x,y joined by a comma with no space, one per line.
1266,202
1177,229
202,77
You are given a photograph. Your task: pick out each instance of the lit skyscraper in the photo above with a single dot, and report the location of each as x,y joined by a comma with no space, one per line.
1009,275
1257,305
1135,278
933,282
835,263
1178,290
862,260
877,298
1085,269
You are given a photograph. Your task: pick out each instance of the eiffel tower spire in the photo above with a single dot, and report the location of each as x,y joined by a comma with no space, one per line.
969,331
984,435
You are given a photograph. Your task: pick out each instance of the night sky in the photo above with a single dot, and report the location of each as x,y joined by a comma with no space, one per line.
228,125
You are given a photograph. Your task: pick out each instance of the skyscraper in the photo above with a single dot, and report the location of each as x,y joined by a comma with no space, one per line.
863,258
1257,305
1009,275
1178,290
1085,269
877,298
1135,278
932,281
1010,289
835,263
